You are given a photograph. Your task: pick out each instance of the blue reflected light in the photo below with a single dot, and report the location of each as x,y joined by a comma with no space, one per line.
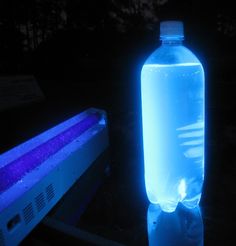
184,227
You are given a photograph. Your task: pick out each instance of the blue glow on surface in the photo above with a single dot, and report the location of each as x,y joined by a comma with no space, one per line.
25,147
172,91
15,169
184,227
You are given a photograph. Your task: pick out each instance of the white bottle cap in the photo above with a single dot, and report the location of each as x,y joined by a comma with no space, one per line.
171,29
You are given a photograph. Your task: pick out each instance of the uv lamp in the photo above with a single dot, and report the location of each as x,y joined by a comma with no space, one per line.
36,174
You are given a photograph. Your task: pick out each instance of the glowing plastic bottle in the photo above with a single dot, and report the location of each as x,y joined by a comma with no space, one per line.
172,90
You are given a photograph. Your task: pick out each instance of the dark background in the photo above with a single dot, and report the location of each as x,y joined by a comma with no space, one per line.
90,53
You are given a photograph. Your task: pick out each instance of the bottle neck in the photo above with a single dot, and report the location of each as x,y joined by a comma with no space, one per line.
170,41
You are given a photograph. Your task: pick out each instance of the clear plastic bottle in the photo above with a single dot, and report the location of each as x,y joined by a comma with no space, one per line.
172,91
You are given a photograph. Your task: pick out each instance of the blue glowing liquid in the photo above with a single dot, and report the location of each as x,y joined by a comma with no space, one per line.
173,133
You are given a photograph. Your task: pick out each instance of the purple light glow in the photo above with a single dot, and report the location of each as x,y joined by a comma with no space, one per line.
15,170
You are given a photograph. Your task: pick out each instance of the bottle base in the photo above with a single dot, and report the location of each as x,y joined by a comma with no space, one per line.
193,202
170,206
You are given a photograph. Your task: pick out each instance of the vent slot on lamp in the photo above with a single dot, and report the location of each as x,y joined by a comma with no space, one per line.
28,213
50,192
40,202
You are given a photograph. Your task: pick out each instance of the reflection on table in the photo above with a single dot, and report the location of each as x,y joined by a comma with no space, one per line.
184,227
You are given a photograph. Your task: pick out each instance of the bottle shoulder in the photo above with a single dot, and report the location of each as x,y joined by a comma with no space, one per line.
176,54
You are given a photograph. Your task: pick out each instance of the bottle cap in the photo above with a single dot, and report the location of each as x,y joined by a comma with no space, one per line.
171,29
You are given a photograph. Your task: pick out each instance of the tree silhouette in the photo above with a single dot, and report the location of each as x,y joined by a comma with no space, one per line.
25,24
